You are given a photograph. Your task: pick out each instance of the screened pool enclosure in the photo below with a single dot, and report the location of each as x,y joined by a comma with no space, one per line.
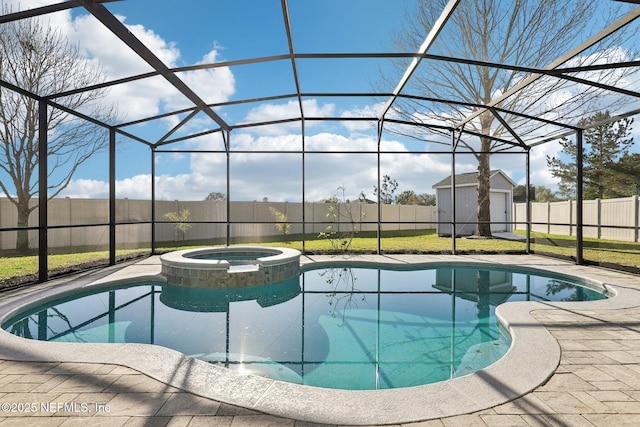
324,126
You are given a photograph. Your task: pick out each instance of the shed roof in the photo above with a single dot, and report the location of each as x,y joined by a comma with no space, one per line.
470,178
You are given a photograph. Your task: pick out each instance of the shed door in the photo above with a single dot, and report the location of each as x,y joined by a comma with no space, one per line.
444,212
498,212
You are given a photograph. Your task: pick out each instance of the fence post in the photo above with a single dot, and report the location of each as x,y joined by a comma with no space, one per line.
255,227
636,216
70,207
599,213
570,217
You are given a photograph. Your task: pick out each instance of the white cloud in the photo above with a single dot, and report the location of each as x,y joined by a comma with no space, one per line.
150,96
540,173
277,143
213,85
117,60
178,187
182,186
367,111
86,189
136,99
278,176
289,110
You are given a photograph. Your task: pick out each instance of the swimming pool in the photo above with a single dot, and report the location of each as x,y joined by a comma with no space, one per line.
343,326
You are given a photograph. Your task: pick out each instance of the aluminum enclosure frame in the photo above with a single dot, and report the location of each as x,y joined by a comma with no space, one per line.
219,125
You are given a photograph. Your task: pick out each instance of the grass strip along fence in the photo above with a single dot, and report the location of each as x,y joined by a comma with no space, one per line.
626,255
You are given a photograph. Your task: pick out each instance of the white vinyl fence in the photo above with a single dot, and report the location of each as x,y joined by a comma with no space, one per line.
608,219
611,219
250,219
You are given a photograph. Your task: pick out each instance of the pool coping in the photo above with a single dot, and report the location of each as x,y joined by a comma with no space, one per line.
501,382
178,258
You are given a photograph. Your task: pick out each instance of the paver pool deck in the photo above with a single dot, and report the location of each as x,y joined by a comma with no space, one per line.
583,360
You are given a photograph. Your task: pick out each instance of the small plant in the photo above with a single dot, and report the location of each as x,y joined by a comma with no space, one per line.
179,220
387,189
282,224
340,211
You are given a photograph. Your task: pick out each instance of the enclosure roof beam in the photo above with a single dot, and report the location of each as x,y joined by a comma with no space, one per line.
18,89
297,119
159,116
595,67
134,137
97,122
68,110
433,127
248,101
558,72
603,86
476,105
149,74
339,94
592,125
294,66
428,42
162,140
121,31
188,137
240,126
612,28
97,9
423,125
504,123
372,119
34,96
493,138
219,104
44,10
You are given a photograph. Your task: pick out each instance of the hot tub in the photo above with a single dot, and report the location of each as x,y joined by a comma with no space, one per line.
230,266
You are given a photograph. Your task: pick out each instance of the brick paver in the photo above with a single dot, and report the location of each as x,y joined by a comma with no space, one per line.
596,384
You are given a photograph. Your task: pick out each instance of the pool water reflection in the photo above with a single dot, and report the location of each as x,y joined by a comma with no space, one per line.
340,327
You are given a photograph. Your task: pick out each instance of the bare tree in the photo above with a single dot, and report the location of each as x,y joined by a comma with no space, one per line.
38,59
526,33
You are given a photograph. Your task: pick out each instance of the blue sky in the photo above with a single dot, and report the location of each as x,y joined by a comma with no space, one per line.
193,32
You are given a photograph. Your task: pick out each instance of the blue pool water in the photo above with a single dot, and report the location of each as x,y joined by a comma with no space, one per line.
233,257
342,327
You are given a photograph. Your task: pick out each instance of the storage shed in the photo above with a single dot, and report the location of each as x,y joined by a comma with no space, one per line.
501,202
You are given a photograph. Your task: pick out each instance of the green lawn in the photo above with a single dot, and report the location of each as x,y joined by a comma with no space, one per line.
623,254
22,266
626,254
412,241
